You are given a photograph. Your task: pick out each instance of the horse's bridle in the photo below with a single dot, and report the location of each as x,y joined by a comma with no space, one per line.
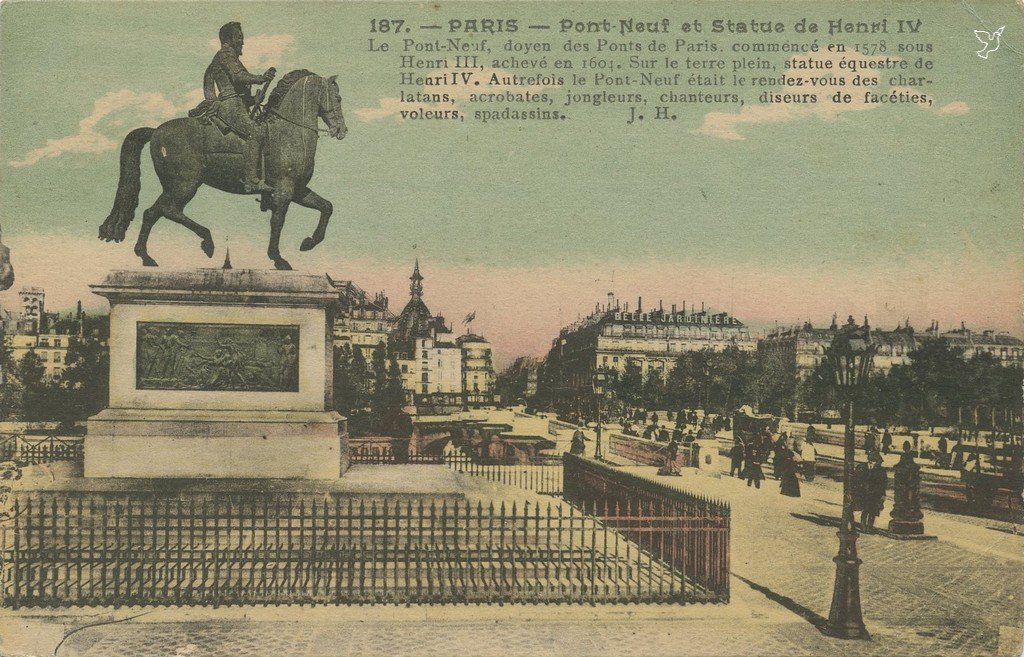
301,125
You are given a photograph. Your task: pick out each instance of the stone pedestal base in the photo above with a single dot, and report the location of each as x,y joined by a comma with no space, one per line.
158,443
906,530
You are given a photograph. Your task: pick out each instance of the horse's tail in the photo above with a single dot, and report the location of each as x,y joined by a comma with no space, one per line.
128,186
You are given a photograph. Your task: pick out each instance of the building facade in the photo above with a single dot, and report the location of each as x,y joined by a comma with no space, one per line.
52,349
362,323
477,369
613,337
438,368
48,335
805,346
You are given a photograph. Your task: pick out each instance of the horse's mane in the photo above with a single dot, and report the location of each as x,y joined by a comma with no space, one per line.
284,85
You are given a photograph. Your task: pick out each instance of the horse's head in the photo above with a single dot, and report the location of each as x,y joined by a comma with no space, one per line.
330,108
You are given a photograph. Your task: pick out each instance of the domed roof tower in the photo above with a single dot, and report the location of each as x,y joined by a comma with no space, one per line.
414,321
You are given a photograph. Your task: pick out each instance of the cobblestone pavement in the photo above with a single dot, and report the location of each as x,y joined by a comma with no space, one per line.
949,596
959,595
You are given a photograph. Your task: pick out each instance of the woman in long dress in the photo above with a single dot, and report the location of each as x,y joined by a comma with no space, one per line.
785,466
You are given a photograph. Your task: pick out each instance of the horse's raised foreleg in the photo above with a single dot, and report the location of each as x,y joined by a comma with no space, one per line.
149,217
310,199
173,208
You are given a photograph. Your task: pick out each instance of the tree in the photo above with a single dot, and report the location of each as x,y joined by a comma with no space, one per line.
34,390
388,398
83,387
10,386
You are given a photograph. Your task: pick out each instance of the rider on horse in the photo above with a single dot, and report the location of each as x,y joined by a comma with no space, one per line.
226,87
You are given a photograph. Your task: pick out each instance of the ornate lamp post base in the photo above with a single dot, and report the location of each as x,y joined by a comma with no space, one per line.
844,618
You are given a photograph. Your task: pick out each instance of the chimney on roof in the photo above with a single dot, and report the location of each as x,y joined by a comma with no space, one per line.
639,304
673,309
611,300
702,306
661,306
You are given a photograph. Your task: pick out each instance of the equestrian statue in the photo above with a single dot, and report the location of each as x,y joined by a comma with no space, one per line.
233,143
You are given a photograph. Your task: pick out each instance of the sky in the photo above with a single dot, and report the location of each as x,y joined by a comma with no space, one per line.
777,214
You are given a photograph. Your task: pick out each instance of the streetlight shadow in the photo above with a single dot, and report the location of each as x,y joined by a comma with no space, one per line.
815,619
818,519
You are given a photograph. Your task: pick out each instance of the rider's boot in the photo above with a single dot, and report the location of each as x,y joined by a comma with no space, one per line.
251,182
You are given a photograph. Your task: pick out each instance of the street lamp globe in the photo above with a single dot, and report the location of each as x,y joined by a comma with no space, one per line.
851,355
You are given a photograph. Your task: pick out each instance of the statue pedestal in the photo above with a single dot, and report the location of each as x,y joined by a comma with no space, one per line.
906,520
218,373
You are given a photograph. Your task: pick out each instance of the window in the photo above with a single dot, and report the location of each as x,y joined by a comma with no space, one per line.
405,369
56,357
424,353
423,377
425,389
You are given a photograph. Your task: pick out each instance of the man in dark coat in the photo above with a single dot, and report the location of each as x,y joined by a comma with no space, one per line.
875,483
753,458
736,458
227,83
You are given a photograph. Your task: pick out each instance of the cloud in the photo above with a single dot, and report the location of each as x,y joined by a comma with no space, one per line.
523,317
726,125
456,92
955,109
116,110
263,50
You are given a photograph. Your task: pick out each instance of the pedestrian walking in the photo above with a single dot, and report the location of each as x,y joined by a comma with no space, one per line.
869,441
671,453
942,460
886,441
753,458
875,483
785,470
809,455
736,458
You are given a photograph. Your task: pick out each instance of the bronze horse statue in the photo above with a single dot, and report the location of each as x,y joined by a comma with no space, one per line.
190,152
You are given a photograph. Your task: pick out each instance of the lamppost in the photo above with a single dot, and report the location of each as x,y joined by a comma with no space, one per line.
850,355
601,383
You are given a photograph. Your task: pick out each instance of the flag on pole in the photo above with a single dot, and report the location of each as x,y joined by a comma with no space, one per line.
469,318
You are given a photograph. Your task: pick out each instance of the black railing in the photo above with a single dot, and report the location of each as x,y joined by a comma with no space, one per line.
540,476
33,450
689,532
213,549
377,454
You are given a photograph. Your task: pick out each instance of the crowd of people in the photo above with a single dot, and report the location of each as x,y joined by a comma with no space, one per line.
795,458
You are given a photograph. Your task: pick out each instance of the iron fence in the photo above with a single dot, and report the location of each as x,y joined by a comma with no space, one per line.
33,450
542,476
648,452
377,454
220,549
689,531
